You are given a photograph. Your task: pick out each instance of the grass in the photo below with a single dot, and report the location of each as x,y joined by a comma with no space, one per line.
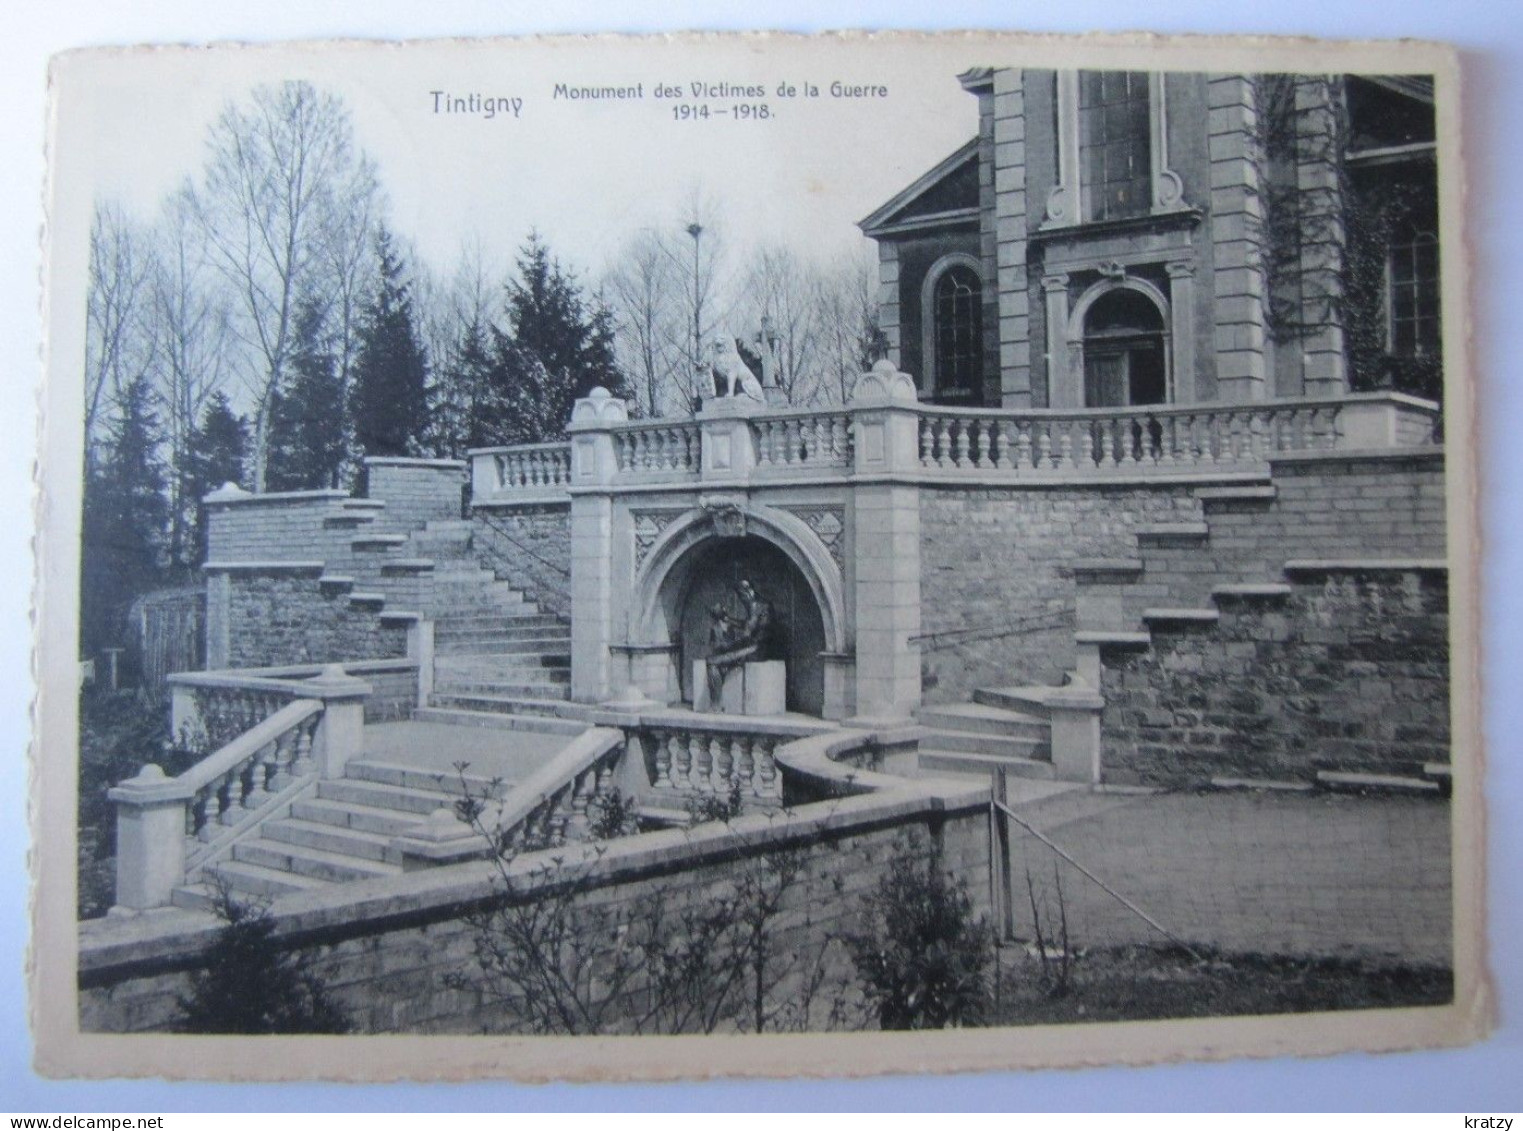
1142,983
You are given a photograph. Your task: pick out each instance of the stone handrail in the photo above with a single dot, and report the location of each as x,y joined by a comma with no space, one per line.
546,809
216,706
807,439
821,766
649,448
168,827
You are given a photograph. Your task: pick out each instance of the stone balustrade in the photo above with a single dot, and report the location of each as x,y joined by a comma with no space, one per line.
211,708
1151,440
520,470
1144,442
715,763
806,440
657,448
167,828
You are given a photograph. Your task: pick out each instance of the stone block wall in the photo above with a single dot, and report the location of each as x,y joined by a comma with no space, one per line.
286,617
387,960
286,526
529,546
1350,672
416,491
992,559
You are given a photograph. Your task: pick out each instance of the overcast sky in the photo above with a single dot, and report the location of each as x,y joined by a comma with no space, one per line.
586,173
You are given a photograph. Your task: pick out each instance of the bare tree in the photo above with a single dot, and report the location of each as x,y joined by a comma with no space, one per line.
190,321
851,336
118,347
697,252
283,195
642,290
781,293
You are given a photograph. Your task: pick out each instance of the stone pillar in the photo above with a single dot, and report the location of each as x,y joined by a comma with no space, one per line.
1237,226
1074,715
150,838
593,467
1323,235
887,541
420,647
1063,391
340,733
728,443
1010,232
1182,330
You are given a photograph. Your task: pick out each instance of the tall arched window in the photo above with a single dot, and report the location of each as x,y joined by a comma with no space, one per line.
956,322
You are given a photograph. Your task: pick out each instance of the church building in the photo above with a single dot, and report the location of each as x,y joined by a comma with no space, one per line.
1127,238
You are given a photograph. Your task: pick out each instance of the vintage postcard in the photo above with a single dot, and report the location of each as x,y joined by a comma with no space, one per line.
642,558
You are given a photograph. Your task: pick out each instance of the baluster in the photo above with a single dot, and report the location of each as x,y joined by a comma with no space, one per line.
682,760
280,763
1210,430
195,817
745,765
764,443
582,786
838,436
942,446
662,756
1015,434
1166,440
673,450
1044,453
791,441
216,805
703,763
770,786
927,443
1258,427
301,764
560,816
1065,444
724,763
602,787
248,786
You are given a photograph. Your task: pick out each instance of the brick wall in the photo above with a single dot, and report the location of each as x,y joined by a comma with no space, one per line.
1350,672
529,546
286,618
992,557
387,959
416,491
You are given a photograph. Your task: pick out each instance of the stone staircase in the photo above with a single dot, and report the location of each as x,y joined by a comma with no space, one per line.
340,832
999,730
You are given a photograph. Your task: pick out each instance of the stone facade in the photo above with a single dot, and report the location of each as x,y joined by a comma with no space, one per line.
289,618
1232,227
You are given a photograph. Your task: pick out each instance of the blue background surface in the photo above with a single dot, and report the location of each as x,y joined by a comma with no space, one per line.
1479,1079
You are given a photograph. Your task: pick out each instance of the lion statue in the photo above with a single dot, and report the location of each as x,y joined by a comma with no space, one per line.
732,369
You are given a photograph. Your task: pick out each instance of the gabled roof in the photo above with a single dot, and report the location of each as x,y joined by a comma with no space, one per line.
902,203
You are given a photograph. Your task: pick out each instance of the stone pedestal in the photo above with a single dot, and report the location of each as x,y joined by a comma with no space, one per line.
757,688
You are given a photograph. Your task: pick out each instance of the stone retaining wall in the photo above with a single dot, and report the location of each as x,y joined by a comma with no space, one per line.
991,558
416,491
529,545
287,617
1350,672
388,953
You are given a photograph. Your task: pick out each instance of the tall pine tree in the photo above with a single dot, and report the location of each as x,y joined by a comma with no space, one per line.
389,403
306,438
218,449
125,521
558,348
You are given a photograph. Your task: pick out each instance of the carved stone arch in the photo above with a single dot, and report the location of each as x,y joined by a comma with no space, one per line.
1075,335
651,611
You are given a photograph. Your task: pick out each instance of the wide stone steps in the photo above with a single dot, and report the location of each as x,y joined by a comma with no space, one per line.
550,706
498,720
980,738
341,834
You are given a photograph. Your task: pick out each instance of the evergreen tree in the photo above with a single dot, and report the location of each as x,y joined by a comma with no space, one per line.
467,401
306,440
125,521
390,398
558,348
218,448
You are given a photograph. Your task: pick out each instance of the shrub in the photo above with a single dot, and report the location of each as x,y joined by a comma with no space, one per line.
252,985
922,956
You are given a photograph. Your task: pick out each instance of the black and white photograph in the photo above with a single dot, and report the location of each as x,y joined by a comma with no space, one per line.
858,552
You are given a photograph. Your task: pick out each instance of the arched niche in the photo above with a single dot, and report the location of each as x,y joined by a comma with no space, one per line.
697,562
1118,335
